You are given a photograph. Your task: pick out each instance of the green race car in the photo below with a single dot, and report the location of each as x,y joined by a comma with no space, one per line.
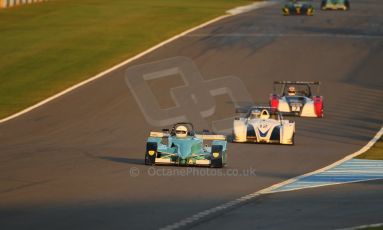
298,7
184,147
335,5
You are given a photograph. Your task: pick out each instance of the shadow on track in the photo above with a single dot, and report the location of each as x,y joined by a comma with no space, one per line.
124,160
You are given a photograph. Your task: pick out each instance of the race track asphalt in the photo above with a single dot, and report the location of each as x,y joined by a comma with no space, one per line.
67,164
330,207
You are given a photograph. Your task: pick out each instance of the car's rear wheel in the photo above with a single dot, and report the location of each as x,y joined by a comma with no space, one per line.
310,11
323,4
347,3
293,140
285,11
216,156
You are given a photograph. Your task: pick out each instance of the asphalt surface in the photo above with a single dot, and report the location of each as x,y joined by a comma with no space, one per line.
330,207
67,165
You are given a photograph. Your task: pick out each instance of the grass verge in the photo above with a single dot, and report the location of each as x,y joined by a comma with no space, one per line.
48,47
375,153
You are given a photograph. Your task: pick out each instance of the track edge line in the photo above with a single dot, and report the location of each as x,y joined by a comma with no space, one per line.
269,190
111,69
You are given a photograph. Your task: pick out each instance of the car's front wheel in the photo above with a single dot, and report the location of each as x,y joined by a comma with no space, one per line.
151,153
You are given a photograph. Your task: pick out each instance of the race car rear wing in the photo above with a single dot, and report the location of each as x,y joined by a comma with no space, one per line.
211,137
159,134
208,137
298,82
314,84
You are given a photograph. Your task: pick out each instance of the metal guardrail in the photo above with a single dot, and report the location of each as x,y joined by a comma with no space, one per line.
11,3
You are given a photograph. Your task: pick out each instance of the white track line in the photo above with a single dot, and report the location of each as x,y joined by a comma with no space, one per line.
104,73
364,226
194,218
253,6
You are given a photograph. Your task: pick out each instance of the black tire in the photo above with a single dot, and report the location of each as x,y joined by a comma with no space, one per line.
293,140
312,11
347,3
276,134
216,161
150,159
285,11
322,4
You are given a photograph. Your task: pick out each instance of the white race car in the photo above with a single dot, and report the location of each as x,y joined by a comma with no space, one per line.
263,125
297,98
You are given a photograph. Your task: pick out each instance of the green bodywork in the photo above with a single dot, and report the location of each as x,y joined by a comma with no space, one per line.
335,2
294,3
186,151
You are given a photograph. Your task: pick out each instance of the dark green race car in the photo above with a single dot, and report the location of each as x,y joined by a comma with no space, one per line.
295,7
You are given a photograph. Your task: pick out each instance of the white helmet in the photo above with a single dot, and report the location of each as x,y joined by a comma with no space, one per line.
181,131
292,91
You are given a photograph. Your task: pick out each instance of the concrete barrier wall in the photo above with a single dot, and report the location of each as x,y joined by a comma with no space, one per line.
10,3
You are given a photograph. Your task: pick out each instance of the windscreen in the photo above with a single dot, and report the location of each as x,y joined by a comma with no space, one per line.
255,113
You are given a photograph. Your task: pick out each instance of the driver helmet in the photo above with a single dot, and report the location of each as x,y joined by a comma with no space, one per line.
292,91
181,131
